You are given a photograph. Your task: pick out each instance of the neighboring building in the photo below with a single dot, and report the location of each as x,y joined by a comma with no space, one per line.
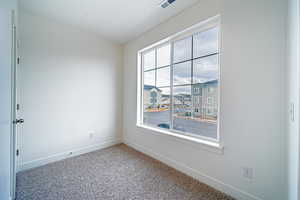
178,100
165,100
182,99
152,97
205,100
203,103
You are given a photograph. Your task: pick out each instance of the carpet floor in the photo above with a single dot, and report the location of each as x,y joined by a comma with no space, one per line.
114,173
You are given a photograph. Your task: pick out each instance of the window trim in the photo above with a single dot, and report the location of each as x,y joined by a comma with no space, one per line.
200,27
211,146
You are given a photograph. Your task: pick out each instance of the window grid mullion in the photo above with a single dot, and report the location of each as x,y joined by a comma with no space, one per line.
205,56
141,120
163,86
192,76
148,70
188,84
163,66
171,86
155,67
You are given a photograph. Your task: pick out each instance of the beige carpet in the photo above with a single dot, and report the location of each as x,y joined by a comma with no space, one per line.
118,172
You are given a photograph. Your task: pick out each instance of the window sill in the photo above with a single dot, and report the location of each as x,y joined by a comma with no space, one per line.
214,147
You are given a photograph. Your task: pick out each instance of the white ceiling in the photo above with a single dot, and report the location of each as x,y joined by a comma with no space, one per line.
116,20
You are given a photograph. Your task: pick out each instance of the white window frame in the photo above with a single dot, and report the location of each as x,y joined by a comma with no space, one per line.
200,27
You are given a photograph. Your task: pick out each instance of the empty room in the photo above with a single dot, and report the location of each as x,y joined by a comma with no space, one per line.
149,100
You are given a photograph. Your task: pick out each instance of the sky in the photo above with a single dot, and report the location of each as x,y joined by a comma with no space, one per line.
204,69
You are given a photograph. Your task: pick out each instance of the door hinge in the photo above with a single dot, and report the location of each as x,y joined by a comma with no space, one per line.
18,60
17,152
18,106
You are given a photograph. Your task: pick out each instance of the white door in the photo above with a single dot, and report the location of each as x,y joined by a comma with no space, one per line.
15,120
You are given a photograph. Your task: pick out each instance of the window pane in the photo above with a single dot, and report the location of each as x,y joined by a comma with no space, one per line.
205,43
205,109
205,95
157,107
163,56
183,50
149,78
182,73
149,60
181,107
205,69
163,77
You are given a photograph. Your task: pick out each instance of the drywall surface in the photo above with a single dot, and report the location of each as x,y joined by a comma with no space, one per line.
5,95
293,84
70,90
252,110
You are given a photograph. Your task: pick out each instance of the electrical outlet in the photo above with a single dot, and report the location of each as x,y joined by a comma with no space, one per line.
247,172
292,112
250,173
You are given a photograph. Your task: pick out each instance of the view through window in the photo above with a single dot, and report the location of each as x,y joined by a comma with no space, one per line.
180,84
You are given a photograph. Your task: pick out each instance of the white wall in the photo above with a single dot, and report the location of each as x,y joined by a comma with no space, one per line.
70,86
293,84
252,100
5,95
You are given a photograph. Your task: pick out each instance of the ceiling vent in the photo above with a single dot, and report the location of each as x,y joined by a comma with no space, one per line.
166,3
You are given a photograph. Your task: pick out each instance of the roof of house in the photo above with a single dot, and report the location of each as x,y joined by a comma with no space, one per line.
208,82
150,87
211,81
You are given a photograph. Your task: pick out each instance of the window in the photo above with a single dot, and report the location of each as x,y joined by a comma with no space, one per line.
210,100
180,81
210,90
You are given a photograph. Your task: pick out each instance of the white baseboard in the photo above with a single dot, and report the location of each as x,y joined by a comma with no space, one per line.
213,182
64,155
